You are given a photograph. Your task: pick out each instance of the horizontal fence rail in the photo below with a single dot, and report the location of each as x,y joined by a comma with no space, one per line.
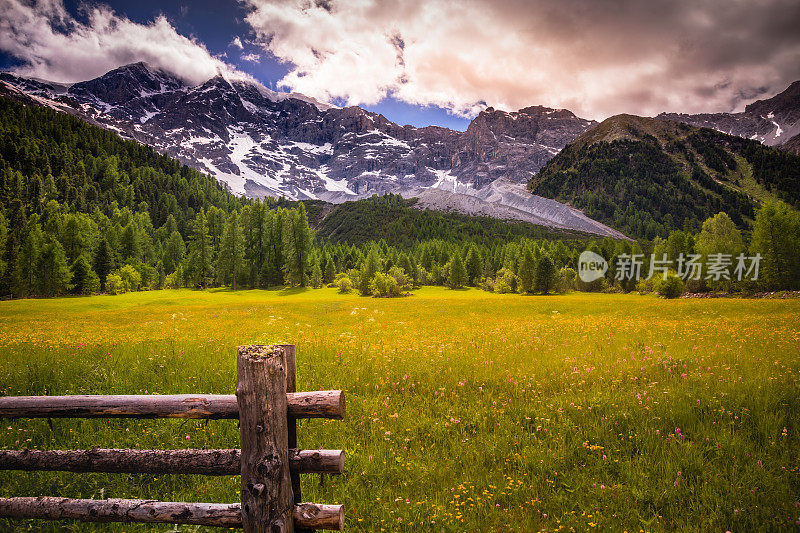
305,515
315,404
203,462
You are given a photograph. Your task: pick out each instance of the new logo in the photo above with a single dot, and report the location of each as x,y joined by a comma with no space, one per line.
591,266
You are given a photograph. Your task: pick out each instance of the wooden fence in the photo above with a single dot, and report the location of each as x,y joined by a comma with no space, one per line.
269,462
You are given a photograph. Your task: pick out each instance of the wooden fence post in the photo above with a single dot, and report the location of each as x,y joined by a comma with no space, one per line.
267,497
291,422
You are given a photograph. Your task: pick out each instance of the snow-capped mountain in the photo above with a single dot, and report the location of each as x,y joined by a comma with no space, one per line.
772,121
264,143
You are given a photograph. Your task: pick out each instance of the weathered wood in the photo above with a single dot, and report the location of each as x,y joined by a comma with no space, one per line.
313,404
120,510
317,461
315,516
309,515
291,422
267,497
204,462
317,404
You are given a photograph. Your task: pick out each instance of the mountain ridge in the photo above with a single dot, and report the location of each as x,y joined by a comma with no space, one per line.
770,121
260,144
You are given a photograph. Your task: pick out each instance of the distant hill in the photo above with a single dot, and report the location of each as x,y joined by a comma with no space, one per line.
646,177
400,222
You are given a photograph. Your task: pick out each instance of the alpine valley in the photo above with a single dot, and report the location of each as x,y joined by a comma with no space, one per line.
261,143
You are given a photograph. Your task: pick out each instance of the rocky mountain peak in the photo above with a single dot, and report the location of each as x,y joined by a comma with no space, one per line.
788,100
126,83
771,121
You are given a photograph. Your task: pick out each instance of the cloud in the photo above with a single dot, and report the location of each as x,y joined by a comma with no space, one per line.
252,57
595,58
55,46
237,42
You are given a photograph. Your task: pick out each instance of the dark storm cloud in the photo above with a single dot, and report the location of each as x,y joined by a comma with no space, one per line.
597,57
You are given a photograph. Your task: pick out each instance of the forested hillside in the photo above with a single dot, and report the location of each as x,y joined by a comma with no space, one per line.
397,221
647,177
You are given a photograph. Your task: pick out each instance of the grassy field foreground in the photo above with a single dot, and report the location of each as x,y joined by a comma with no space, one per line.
466,410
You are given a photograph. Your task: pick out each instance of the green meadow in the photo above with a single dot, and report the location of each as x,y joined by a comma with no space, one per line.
466,410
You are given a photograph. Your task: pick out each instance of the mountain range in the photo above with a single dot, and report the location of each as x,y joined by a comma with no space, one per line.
260,143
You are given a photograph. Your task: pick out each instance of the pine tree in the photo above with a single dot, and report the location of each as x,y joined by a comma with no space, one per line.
546,275
408,267
368,270
316,276
329,272
25,272
473,266
174,252
231,252
131,243
458,273
84,279
201,249
776,236
719,235
527,272
3,239
296,246
103,262
273,246
53,275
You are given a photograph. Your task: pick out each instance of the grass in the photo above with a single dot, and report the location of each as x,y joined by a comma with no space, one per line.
466,410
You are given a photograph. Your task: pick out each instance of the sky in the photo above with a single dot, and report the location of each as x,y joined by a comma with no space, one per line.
424,62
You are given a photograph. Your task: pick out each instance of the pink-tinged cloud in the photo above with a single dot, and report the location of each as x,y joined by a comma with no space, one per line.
596,58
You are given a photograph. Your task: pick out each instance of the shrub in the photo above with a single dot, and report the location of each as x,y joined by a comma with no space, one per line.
384,285
506,281
672,287
486,284
404,282
423,276
344,283
131,279
696,285
114,284
565,281
644,286
502,287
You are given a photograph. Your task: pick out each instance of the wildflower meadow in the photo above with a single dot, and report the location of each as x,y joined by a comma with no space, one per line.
466,410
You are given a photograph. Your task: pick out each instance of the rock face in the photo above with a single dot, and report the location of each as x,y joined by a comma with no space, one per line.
514,145
771,122
792,145
263,143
